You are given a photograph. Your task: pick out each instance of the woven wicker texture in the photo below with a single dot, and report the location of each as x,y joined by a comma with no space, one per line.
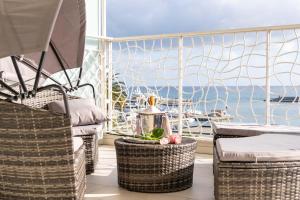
91,151
36,155
155,167
43,98
91,141
259,181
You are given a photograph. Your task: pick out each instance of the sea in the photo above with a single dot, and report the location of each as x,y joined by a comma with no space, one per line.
246,104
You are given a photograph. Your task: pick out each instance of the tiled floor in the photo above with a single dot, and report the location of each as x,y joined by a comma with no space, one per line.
103,184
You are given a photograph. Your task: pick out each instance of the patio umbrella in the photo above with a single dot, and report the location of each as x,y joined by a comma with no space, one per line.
54,27
67,42
26,27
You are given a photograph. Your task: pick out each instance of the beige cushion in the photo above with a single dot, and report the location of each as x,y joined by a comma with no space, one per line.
77,143
82,111
252,129
265,147
87,130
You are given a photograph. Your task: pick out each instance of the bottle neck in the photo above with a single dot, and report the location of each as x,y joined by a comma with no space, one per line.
151,101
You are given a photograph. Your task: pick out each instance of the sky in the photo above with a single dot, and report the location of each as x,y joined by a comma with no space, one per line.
147,17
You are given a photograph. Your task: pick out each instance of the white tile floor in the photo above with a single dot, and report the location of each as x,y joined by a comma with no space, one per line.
103,183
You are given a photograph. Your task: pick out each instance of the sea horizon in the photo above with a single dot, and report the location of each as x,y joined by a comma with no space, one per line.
244,105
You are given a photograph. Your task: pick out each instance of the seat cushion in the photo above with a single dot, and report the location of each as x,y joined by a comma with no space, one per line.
235,129
265,147
87,130
77,143
82,111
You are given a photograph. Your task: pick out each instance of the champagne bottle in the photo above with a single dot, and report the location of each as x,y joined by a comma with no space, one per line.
151,100
152,108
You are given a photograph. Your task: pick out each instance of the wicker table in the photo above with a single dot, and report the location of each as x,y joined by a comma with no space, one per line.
155,167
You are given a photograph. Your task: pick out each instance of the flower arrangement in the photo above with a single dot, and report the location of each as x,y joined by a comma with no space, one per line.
172,139
157,134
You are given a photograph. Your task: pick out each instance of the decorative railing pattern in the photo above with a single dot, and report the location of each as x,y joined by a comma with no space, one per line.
241,75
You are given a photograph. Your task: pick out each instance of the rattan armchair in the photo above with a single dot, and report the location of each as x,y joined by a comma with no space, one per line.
89,137
38,159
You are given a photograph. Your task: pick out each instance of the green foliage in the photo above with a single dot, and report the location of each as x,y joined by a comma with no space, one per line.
158,132
119,95
155,134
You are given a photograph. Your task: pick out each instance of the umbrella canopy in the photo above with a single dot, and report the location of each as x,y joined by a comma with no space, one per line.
26,26
45,36
8,73
67,41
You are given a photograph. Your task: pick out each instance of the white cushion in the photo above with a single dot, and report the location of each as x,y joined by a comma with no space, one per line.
82,111
87,130
77,143
265,147
236,129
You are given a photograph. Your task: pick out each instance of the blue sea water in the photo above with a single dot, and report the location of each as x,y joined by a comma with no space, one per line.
244,103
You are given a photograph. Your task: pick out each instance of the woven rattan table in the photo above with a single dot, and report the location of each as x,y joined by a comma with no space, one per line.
155,167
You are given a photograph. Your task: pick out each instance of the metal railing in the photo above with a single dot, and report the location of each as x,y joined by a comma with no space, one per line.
238,75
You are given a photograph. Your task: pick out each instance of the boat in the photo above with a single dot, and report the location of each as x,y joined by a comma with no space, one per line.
173,113
288,99
214,115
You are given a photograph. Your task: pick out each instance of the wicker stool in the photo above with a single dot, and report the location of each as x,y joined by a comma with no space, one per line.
90,136
155,167
264,167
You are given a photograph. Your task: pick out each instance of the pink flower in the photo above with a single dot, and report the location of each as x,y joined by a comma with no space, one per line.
178,139
164,141
175,139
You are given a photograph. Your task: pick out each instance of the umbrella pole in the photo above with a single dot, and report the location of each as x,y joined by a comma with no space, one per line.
60,63
19,73
8,88
39,71
6,95
29,64
79,77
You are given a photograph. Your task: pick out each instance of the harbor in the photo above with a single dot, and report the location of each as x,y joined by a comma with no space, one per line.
200,109
195,122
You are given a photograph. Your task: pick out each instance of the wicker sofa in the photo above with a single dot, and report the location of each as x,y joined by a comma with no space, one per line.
39,158
265,165
89,134
233,130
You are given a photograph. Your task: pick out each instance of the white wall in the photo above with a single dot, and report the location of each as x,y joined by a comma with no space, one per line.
92,14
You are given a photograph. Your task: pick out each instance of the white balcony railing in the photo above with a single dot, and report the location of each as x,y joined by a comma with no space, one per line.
229,75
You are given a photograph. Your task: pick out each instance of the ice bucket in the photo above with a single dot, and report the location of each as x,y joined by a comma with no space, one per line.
152,118
146,122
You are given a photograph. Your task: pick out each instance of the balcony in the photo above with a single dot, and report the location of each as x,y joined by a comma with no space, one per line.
242,76
239,76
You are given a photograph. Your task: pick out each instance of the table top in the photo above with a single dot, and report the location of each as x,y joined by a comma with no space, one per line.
124,141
